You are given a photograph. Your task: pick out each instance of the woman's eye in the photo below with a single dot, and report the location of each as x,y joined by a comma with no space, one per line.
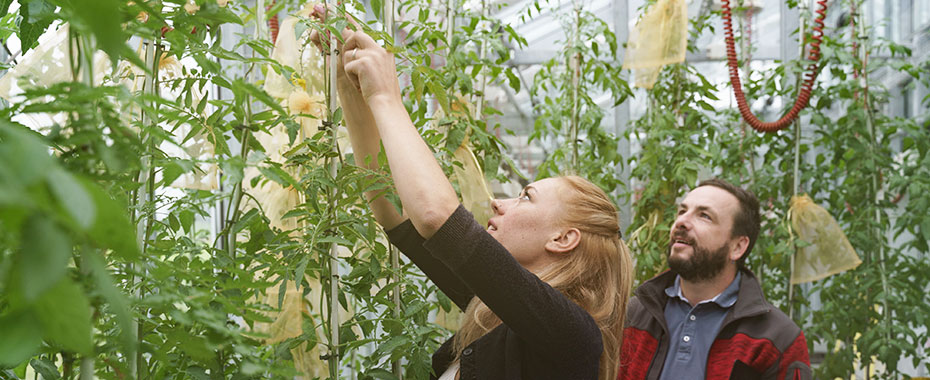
524,197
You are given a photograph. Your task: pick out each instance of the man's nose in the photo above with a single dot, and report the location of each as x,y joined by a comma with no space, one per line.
682,222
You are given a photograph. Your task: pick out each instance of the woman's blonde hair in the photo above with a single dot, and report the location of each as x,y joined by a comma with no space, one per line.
597,274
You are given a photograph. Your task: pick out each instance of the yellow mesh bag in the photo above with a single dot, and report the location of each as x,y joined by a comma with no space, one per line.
288,323
476,198
475,194
829,251
659,38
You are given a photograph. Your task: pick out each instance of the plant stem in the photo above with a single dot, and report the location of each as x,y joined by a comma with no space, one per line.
87,368
388,23
876,191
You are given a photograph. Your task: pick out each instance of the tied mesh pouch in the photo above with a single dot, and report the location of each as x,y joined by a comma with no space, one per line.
659,38
828,251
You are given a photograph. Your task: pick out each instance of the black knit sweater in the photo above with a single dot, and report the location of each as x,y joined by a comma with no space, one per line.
544,335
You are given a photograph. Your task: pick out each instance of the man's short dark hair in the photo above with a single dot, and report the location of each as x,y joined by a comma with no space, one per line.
747,221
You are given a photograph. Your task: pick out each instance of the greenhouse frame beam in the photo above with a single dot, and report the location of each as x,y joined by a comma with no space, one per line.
538,57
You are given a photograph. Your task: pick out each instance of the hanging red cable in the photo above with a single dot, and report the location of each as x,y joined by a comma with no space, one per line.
804,94
273,24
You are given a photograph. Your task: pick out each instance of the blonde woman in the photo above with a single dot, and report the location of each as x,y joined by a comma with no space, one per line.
544,285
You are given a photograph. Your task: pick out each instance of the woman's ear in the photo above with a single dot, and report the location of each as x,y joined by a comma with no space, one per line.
564,242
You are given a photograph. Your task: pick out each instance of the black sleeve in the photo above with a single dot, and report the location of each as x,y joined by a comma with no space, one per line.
540,315
406,238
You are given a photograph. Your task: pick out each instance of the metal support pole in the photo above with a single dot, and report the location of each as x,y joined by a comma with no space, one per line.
332,105
387,13
621,11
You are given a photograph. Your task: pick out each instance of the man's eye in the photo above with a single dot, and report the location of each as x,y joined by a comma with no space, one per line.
524,197
705,215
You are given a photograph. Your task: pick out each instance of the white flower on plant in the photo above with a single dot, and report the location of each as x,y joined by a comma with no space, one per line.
191,7
300,102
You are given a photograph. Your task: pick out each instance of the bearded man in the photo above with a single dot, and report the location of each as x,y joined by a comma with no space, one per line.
706,317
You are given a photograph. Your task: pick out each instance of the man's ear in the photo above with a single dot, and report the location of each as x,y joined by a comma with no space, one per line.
564,242
739,248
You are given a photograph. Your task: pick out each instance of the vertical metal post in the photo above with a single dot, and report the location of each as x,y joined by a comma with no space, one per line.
621,11
143,195
387,15
482,55
332,105
576,83
787,14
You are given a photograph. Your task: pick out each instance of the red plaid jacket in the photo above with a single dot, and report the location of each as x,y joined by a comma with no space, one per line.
756,339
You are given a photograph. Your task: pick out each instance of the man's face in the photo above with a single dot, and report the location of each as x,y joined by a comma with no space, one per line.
700,242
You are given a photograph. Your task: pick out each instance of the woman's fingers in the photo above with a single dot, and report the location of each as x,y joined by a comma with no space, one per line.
317,38
370,67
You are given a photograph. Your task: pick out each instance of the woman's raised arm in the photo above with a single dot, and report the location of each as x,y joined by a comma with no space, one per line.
363,135
423,188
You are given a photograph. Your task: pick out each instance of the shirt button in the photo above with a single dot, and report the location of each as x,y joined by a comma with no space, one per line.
686,339
692,317
466,351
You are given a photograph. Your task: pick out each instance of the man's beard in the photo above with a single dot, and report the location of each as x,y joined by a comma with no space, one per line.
704,264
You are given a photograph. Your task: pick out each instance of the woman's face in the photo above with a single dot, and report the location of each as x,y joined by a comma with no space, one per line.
524,224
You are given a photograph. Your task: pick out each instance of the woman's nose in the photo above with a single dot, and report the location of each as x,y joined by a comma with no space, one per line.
497,206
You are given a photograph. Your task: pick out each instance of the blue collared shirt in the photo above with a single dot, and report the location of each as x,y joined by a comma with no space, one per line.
692,329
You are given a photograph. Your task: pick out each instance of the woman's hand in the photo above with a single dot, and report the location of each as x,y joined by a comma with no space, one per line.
359,121
371,69
346,88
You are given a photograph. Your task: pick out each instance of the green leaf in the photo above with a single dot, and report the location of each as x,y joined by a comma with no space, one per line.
117,301
72,196
280,176
43,258
25,157
337,116
112,228
187,220
925,229
299,28
5,7
393,343
21,334
102,19
46,368
299,273
440,94
36,17
64,312
259,94
380,373
233,169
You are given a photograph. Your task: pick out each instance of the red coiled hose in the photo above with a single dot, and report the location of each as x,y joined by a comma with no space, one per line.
273,24
804,94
